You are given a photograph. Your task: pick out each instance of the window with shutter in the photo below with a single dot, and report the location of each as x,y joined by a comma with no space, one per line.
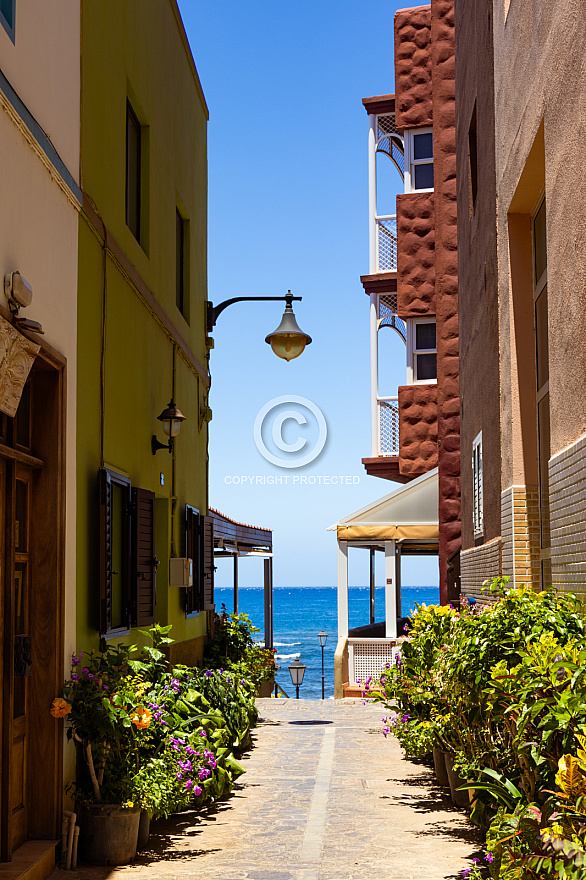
207,556
115,543
193,599
477,506
144,561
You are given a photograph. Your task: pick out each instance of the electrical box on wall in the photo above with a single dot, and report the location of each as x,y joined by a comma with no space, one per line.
181,572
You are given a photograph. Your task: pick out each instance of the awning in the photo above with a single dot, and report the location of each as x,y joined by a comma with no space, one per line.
410,513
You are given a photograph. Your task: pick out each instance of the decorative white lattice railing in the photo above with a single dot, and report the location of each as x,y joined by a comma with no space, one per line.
388,425
368,657
386,243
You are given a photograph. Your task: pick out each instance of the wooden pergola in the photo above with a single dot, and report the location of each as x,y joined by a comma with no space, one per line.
236,539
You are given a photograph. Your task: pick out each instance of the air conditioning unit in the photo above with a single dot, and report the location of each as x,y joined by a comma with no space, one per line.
181,572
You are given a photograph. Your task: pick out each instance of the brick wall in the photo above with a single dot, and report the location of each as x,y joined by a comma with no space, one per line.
567,504
520,535
480,564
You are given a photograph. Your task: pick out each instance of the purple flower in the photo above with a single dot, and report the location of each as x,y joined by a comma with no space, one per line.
243,683
175,685
185,765
203,733
179,775
190,751
208,673
466,872
221,670
189,784
197,790
489,858
84,670
74,676
74,660
204,773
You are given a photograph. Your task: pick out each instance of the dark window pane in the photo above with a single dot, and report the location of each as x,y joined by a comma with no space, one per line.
540,242
7,10
426,366
541,339
424,336
133,172
423,176
423,146
21,517
544,452
179,262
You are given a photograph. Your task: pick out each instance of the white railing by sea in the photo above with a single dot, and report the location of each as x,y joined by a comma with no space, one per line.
368,657
388,425
386,243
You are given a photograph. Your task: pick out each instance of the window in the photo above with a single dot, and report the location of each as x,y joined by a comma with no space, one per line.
540,313
7,16
419,160
180,262
473,161
477,499
421,351
199,546
127,555
133,171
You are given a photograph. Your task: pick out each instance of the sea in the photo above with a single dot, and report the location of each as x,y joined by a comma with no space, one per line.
300,613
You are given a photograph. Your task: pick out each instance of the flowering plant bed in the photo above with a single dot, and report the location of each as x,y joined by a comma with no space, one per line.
502,688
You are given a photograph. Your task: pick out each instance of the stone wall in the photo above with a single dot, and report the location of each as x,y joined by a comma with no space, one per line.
413,89
417,429
415,255
567,506
480,564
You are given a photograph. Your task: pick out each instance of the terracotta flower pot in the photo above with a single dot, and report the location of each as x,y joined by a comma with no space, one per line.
459,798
108,833
439,765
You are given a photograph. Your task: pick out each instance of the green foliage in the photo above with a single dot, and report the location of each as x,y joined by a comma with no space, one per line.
233,649
160,736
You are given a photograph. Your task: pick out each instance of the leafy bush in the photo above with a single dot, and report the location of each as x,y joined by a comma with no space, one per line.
233,649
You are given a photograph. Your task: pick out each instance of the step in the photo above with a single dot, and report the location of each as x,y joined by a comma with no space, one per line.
34,860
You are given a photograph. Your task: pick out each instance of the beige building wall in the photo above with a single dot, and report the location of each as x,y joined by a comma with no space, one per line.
540,92
40,198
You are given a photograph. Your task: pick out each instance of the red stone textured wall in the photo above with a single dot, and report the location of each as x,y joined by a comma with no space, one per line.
413,87
415,255
446,280
417,429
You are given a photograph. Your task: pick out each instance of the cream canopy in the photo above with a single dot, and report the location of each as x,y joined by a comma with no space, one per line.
410,513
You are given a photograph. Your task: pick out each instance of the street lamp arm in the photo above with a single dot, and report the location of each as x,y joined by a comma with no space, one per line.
213,312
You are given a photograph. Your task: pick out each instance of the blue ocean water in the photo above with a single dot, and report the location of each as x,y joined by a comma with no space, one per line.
300,613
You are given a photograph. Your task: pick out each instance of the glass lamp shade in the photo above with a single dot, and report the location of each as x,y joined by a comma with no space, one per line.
288,340
297,671
323,637
171,419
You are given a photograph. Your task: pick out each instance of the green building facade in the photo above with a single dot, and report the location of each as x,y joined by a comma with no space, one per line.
141,328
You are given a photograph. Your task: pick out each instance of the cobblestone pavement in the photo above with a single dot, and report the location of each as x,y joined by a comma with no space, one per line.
325,797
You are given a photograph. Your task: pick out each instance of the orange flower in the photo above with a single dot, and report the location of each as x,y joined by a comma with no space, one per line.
141,717
60,708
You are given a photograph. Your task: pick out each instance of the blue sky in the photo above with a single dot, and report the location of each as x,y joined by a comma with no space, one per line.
288,209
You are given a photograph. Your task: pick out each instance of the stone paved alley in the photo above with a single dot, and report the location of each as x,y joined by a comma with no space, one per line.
325,797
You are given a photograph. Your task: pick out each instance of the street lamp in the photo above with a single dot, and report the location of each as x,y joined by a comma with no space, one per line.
323,637
297,671
288,341
171,417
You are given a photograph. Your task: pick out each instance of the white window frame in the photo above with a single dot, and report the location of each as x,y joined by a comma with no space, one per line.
477,487
410,162
412,351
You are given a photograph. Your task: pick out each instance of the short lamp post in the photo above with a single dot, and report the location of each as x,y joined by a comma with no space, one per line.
323,637
297,671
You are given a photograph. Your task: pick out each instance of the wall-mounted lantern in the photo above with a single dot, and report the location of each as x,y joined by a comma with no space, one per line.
171,417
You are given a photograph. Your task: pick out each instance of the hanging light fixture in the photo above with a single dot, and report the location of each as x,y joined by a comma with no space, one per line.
288,341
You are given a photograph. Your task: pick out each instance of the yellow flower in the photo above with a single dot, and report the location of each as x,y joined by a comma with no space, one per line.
60,708
141,717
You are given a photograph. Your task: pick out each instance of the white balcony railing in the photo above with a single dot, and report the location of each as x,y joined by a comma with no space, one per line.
386,243
388,425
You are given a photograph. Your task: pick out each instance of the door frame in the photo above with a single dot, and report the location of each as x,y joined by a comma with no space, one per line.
47,594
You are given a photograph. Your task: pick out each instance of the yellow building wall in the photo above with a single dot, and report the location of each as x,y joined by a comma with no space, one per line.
130,363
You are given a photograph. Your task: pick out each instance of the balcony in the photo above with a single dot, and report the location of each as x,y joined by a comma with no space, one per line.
386,243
